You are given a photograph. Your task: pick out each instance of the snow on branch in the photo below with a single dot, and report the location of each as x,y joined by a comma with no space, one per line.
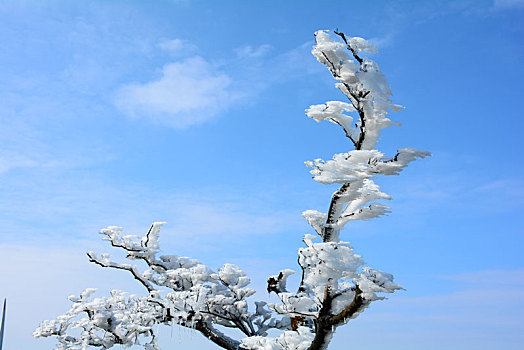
333,111
181,291
361,80
119,319
357,165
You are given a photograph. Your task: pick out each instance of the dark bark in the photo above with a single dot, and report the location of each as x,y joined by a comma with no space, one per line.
216,336
335,208
327,322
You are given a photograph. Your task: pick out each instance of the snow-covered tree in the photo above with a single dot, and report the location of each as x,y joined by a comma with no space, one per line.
335,286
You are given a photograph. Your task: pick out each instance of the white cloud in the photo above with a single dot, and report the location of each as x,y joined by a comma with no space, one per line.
188,92
194,90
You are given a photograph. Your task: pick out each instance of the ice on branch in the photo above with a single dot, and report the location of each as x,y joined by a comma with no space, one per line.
360,194
362,81
373,281
328,262
360,44
358,165
334,285
119,319
316,219
333,111
195,297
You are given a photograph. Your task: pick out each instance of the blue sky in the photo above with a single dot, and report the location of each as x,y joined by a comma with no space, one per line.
192,112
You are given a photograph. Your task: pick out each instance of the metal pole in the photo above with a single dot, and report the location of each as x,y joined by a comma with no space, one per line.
3,326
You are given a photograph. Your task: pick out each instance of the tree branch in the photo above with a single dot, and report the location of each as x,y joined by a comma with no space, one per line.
351,310
335,209
129,268
216,336
343,36
324,328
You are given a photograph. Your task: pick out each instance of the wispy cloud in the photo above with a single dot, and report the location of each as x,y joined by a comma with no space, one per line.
482,314
71,205
22,144
188,92
263,68
249,51
194,90
508,4
384,41
11,160
178,47
494,278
